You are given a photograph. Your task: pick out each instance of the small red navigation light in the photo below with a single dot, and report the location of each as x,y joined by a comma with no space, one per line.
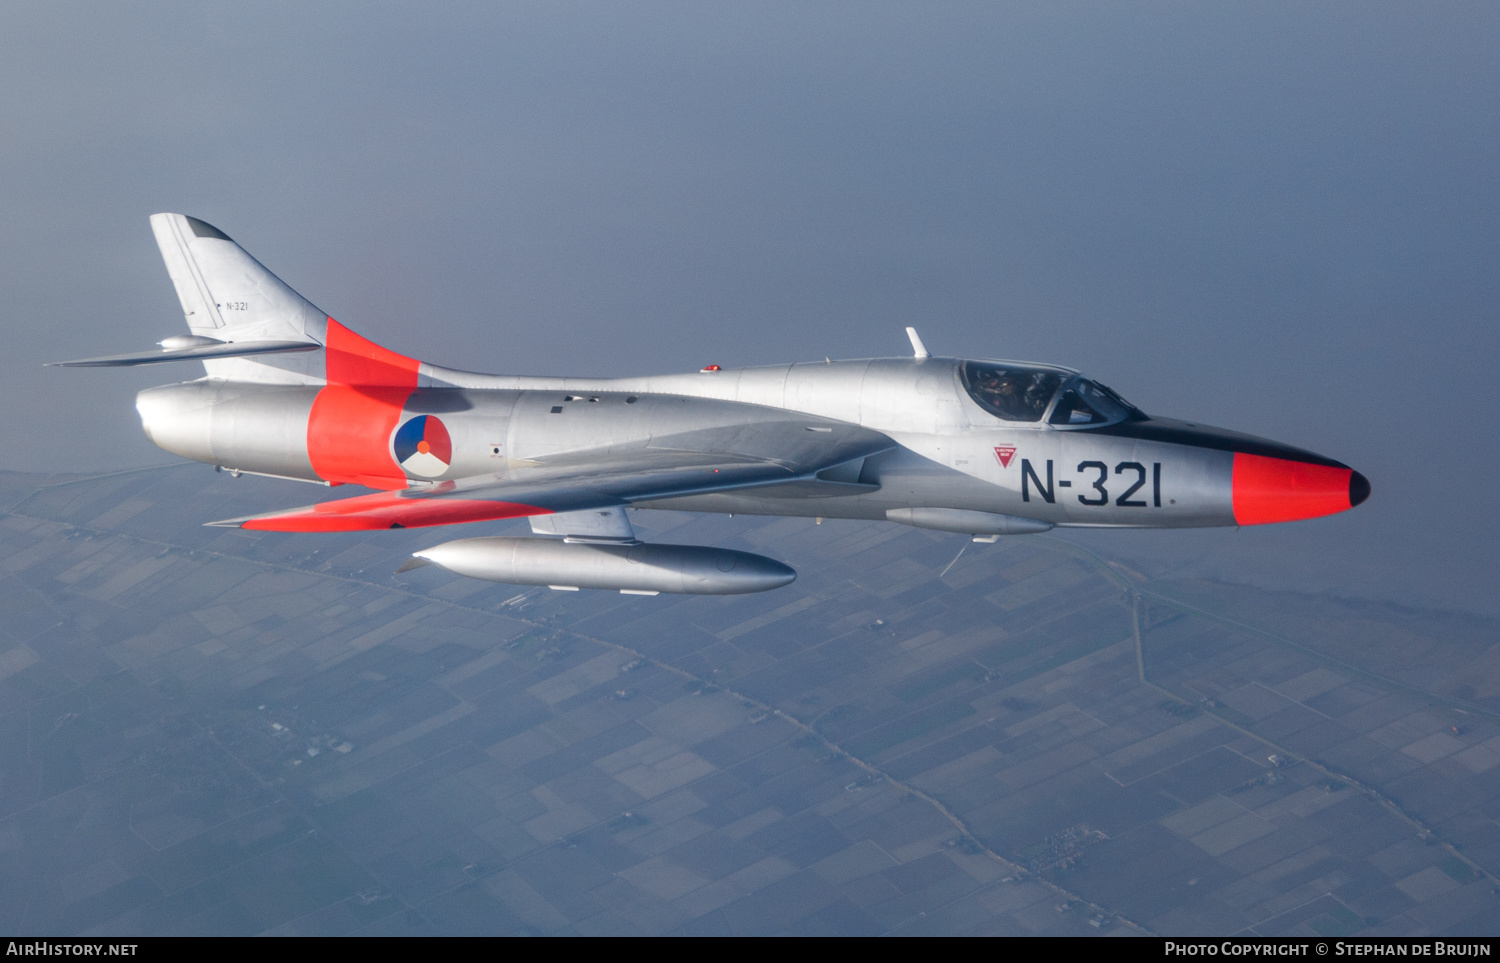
712,367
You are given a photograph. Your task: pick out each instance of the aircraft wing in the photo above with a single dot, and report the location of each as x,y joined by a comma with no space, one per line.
226,349
595,480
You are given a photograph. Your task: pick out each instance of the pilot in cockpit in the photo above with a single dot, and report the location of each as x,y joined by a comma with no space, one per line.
1020,393
1013,393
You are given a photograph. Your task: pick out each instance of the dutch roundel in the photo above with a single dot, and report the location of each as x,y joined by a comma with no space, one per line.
423,447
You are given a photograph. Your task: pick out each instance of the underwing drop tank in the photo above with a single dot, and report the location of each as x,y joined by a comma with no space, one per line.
638,569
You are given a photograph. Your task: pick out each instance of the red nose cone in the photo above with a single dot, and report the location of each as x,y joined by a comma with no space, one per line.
1277,490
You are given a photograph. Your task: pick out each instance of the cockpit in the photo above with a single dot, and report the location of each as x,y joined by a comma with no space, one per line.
1014,392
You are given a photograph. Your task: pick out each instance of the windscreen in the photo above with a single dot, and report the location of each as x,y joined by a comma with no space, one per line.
1085,402
1012,392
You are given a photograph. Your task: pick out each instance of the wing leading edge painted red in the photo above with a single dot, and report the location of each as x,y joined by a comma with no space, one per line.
537,492
383,510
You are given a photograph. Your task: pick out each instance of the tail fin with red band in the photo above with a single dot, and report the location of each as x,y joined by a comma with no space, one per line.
229,296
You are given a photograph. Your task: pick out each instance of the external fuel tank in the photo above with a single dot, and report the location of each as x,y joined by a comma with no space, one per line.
638,569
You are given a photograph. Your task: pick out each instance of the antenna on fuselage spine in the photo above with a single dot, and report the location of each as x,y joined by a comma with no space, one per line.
918,349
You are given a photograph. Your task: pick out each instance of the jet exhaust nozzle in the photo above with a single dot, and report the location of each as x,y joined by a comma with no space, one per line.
639,568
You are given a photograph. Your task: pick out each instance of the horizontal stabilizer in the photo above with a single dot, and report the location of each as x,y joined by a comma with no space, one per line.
200,352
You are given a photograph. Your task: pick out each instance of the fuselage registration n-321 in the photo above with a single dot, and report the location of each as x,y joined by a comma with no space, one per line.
982,448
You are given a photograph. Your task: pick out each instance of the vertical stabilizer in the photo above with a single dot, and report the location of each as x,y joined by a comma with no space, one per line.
228,295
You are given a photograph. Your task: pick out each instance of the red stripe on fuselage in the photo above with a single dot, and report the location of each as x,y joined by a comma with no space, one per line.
353,416
1270,490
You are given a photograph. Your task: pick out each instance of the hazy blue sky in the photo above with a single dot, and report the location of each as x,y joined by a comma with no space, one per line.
1280,218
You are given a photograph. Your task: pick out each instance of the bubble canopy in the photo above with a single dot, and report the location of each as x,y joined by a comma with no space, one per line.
1029,393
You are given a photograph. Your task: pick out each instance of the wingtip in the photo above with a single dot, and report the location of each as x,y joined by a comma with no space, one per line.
229,522
415,562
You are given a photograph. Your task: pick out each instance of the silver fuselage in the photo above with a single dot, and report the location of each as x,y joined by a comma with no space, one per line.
946,452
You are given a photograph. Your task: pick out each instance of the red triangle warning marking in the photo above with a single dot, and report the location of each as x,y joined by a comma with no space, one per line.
1005,453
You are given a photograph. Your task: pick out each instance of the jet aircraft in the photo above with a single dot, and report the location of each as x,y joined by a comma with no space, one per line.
982,448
